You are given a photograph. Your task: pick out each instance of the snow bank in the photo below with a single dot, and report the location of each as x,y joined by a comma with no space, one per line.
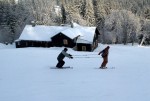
4,46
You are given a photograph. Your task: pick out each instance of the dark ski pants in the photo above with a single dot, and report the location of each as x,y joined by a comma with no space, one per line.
60,63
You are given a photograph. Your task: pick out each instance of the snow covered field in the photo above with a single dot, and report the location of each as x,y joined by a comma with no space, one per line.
25,75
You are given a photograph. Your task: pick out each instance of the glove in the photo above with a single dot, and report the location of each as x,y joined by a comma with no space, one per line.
70,55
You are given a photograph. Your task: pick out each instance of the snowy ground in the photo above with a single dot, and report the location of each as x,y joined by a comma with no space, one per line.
25,75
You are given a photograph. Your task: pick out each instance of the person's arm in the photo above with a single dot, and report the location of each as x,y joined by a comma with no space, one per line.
100,52
66,54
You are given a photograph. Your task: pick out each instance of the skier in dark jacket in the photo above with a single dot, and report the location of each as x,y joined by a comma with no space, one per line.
61,56
104,54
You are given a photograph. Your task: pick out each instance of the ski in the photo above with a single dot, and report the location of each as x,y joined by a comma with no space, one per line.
107,68
66,67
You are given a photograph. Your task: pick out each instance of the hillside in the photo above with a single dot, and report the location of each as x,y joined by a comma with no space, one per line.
114,18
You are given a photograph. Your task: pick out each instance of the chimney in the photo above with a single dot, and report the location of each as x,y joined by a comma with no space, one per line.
72,24
33,23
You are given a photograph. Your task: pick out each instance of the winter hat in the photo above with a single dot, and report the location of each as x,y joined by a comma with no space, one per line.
108,47
65,49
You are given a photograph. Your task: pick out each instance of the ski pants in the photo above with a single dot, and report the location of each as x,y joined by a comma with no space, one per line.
60,63
105,61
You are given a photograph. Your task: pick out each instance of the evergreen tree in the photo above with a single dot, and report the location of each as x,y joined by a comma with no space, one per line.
63,12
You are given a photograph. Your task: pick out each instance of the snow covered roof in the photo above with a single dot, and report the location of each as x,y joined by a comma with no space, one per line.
44,33
40,32
88,36
72,32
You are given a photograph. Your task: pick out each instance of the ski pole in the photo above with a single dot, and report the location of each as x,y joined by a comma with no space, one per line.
86,57
79,55
91,54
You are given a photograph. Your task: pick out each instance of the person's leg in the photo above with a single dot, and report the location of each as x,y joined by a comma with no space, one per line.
105,61
58,64
61,64
102,65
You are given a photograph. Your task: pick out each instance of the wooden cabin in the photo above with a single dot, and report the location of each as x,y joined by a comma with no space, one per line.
89,41
32,43
67,38
77,37
61,40
37,36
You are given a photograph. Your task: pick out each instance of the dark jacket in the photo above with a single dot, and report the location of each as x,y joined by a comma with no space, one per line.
104,53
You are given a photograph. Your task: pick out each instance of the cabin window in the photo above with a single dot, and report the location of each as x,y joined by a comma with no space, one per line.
32,44
46,44
65,42
83,48
18,43
26,44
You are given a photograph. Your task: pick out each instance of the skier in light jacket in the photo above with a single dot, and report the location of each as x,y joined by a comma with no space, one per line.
61,56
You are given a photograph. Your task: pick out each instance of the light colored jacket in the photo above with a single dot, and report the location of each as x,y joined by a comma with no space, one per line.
62,55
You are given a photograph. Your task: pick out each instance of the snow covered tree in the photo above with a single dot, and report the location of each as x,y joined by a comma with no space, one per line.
144,36
12,19
63,12
120,27
16,13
